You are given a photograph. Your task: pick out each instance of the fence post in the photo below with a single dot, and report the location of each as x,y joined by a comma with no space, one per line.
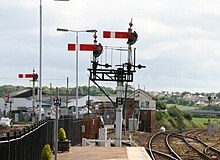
84,142
109,142
9,146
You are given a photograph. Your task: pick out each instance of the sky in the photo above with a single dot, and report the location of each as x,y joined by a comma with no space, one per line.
178,41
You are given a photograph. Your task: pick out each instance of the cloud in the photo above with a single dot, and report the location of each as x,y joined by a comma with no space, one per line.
178,40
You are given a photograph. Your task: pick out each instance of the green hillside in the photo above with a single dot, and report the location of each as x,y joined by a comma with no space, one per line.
173,118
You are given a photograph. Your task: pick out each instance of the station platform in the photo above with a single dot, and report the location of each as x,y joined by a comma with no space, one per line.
105,153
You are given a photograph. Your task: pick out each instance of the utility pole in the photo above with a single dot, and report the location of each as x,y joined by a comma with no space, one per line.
33,100
51,98
67,91
209,120
57,103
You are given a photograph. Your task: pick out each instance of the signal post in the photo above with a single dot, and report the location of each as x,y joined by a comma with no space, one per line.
34,77
124,73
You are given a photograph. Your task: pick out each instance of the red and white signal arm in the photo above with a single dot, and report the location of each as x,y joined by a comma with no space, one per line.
34,76
110,34
26,75
82,47
131,36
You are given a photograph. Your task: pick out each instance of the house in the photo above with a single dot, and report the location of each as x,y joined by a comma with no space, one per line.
20,102
187,96
143,100
143,108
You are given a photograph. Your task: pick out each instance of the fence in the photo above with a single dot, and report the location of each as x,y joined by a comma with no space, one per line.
72,128
27,143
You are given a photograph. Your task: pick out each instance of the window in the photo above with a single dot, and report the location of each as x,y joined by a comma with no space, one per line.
142,104
145,104
136,104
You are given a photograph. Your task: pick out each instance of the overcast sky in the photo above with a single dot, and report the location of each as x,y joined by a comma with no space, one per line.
179,41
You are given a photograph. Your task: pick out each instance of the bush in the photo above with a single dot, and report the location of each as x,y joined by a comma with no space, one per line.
46,153
174,112
62,134
188,116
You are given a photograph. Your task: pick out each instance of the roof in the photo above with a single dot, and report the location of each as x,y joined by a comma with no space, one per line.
25,93
141,92
82,101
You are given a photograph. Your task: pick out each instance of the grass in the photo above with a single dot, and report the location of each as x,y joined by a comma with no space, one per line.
200,121
203,121
181,107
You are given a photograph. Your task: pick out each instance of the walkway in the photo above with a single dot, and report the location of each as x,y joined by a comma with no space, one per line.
105,153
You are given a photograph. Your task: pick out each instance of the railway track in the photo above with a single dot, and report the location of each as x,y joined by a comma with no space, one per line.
181,145
210,148
213,141
195,144
158,147
191,144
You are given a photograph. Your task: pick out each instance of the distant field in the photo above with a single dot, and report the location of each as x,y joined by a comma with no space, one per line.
180,107
202,121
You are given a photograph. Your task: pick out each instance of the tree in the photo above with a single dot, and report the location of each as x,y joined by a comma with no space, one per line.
183,102
81,91
185,93
62,90
171,100
160,105
85,90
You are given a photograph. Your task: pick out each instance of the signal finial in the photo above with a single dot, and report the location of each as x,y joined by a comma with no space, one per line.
131,24
95,36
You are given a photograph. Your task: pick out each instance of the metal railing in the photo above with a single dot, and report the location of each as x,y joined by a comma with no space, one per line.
27,143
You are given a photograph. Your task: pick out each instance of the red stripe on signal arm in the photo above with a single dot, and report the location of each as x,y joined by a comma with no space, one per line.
121,34
87,47
106,34
109,34
29,75
71,47
20,75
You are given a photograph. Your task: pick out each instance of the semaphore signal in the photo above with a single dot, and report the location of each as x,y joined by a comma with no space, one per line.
34,77
123,73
